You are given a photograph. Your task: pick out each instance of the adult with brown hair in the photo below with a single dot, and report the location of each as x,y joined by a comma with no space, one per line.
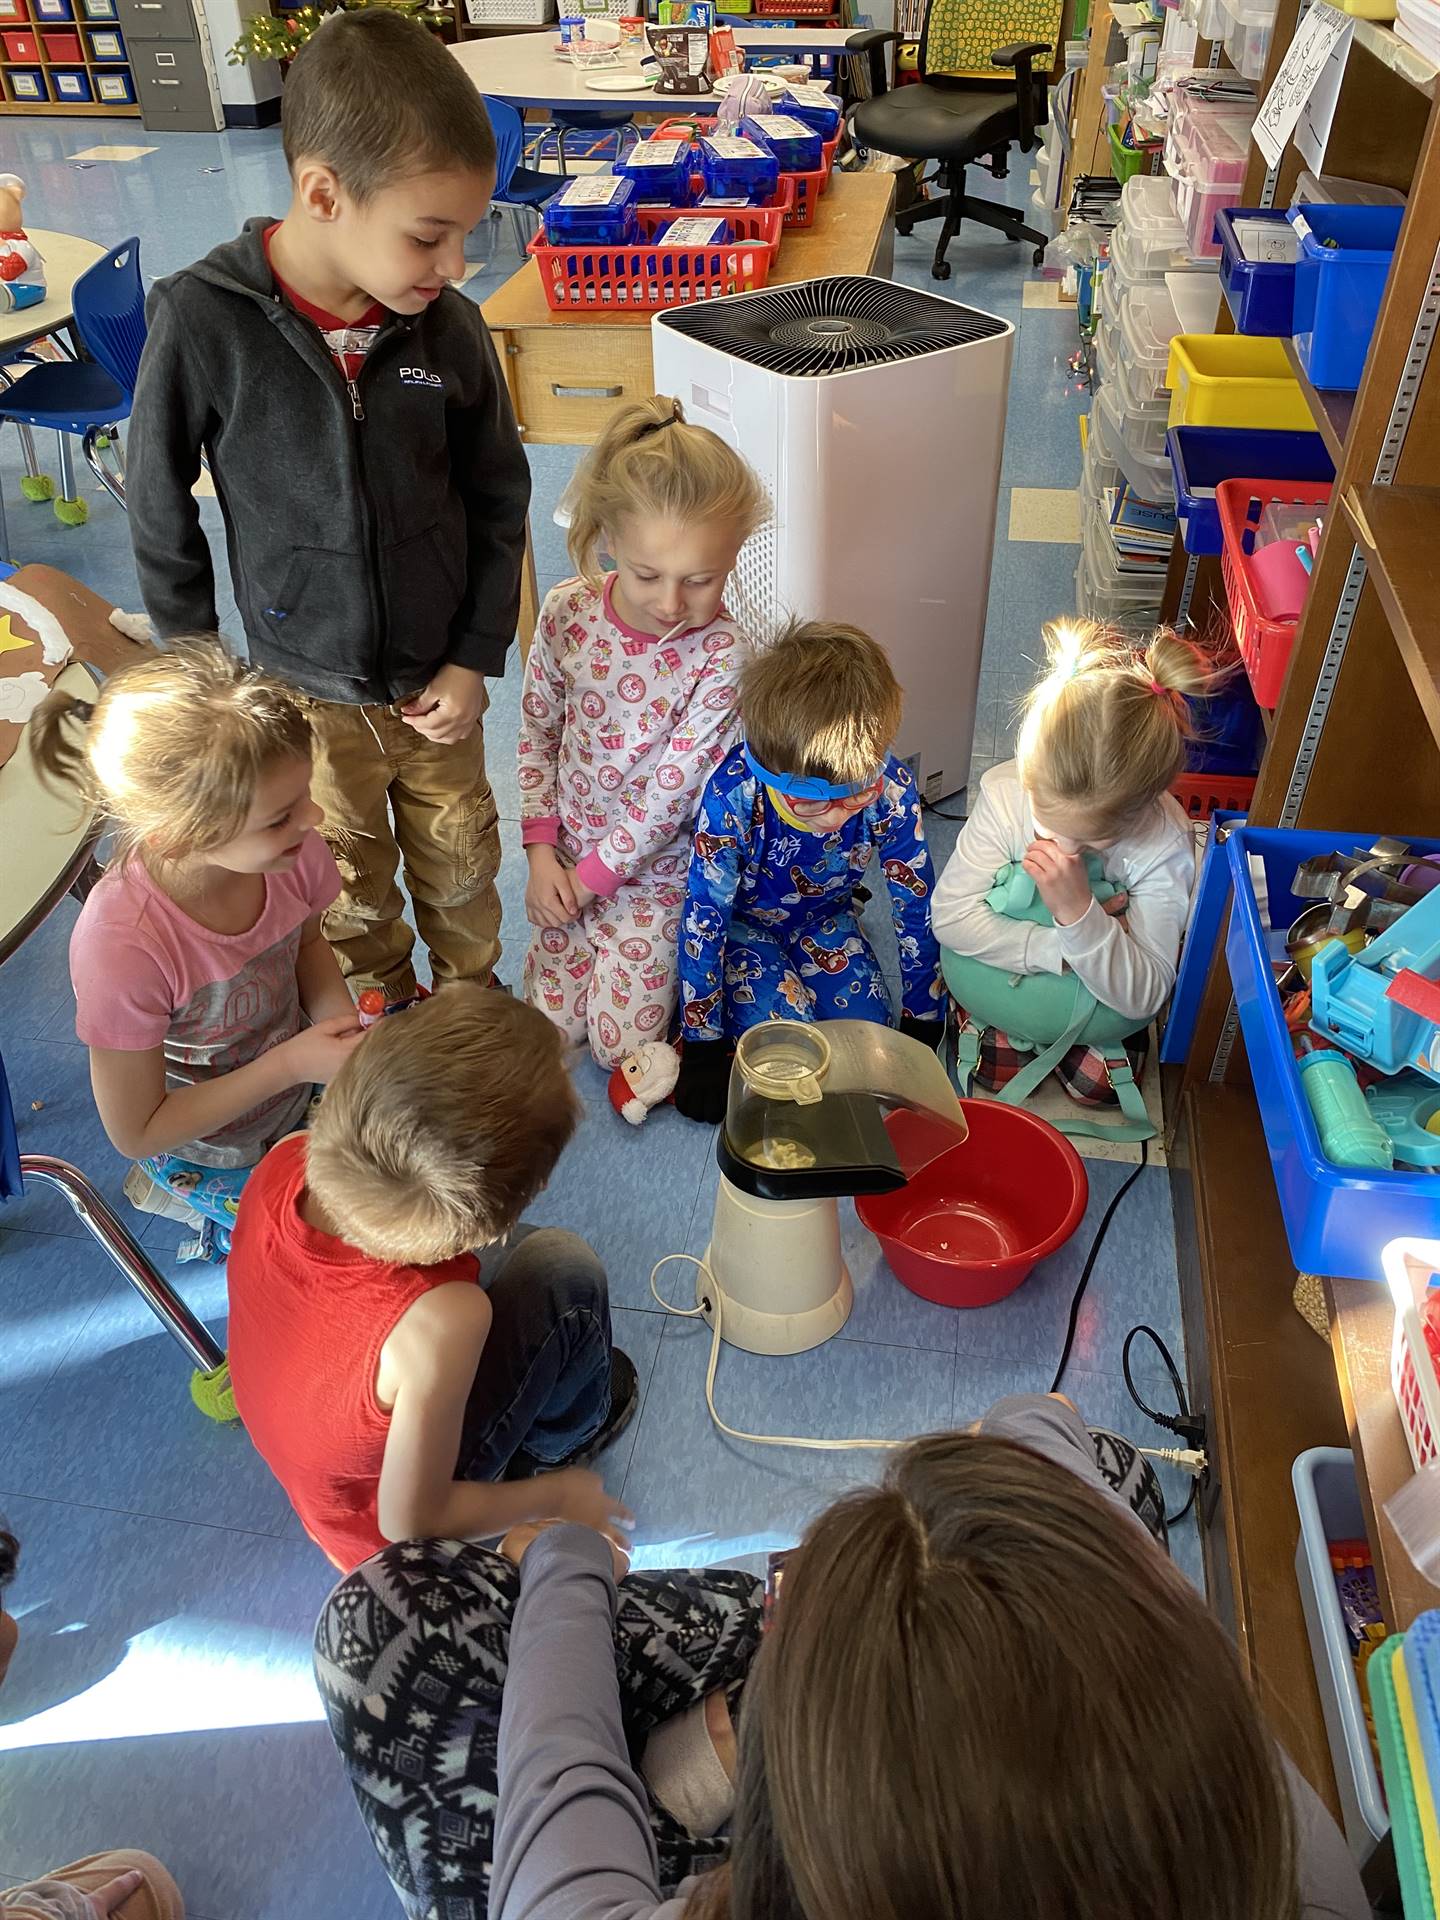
986,1692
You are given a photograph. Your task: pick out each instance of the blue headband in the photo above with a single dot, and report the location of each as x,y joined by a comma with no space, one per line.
807,786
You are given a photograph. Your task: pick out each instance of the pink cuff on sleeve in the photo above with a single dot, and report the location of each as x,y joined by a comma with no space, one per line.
597,876
544,832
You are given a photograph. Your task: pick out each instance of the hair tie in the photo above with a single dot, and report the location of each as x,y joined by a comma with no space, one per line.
1155,687
85,709
656,426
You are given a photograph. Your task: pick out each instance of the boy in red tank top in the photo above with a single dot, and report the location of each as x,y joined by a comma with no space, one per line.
397,1385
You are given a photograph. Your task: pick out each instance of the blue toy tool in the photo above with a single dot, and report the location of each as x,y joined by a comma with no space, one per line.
1383,1005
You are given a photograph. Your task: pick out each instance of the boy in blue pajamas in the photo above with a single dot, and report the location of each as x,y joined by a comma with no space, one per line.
786,828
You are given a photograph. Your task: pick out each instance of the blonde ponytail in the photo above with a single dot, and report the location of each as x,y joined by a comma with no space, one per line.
650,462
174,747
1104,732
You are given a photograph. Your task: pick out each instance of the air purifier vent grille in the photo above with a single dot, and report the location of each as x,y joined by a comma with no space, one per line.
820,327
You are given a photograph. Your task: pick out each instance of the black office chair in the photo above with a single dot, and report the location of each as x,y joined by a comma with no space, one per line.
955,116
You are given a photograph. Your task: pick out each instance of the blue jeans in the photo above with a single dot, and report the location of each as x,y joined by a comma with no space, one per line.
543,1381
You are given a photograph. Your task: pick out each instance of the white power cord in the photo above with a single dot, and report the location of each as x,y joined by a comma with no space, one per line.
1191,1459
757,1439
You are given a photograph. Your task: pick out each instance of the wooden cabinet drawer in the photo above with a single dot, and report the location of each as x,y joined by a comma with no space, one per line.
567,381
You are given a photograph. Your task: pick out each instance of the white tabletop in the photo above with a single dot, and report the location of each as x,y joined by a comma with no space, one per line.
524,69
42,831
66,257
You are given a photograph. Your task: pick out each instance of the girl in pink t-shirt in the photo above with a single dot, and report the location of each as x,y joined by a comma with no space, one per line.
628,706
204,987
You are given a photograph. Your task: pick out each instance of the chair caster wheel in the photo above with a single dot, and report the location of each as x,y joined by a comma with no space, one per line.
940,270
904,228
1038,256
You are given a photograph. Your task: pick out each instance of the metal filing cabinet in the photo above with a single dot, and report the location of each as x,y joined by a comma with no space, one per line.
171,60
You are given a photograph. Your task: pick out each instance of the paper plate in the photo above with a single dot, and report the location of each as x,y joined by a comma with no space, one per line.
618,82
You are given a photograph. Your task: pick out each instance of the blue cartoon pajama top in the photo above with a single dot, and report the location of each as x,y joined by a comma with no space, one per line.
770,930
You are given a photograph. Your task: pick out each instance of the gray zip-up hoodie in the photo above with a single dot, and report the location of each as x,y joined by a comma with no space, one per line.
375,530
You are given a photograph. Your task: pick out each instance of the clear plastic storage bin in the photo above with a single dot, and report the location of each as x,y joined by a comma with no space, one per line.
1103,593
1152,478
1327,1495
1206,154
1249,25
1148,323
1144,416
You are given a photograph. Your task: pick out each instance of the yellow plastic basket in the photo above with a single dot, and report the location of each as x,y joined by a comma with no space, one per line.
1234,380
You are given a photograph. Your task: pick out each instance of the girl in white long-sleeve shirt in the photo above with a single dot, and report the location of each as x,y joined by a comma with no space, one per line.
1103,736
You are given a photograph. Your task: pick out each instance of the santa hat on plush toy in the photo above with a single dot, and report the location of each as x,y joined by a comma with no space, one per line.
643,1080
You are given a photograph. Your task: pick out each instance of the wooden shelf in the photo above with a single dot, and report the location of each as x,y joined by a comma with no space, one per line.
1361,1324
1398,531
1269,1393
1398,55
1332,410
74,109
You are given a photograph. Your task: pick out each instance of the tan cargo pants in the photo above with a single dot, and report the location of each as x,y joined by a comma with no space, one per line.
389,794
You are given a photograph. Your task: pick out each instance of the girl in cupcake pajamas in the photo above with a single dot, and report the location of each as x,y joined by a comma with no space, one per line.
619,733
628,707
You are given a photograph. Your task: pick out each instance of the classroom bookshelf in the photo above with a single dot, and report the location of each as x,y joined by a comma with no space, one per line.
65,58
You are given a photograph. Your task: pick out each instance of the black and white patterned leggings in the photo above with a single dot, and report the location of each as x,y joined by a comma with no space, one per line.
411,1654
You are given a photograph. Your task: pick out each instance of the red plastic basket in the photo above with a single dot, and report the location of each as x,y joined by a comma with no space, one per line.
1202,794
796,9
1264,644
646,277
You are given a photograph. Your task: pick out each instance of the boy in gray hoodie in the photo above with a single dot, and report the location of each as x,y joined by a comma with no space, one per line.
350,405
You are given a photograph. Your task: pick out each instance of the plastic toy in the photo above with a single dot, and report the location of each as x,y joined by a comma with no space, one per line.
372,1004
1383,1005
22,271
1350,1135
646,1079
1408,1108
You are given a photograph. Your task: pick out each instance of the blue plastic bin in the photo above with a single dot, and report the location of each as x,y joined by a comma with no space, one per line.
660,169
1327,1496
1345,256
1204,456
1260,293
1337,1219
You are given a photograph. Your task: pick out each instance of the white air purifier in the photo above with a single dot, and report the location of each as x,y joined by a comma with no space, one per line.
875,415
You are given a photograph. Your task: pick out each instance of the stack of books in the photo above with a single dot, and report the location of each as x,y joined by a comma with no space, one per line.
1142,531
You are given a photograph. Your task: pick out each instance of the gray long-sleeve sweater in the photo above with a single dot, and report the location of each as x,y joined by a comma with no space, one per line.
572,1838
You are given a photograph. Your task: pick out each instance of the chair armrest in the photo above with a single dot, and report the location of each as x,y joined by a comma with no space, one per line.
872,42
1018,59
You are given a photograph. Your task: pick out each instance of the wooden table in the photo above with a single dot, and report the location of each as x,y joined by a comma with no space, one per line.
66,257
47,835
567,373
524,69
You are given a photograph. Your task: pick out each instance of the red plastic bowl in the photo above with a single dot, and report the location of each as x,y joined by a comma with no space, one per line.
968,1228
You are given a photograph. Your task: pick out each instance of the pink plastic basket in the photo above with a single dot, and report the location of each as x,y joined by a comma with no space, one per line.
648,277
1410,1267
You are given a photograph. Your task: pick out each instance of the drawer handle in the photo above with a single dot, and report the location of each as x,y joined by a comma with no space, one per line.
585,393
167,83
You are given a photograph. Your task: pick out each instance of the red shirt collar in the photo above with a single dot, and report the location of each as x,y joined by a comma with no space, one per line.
373,315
